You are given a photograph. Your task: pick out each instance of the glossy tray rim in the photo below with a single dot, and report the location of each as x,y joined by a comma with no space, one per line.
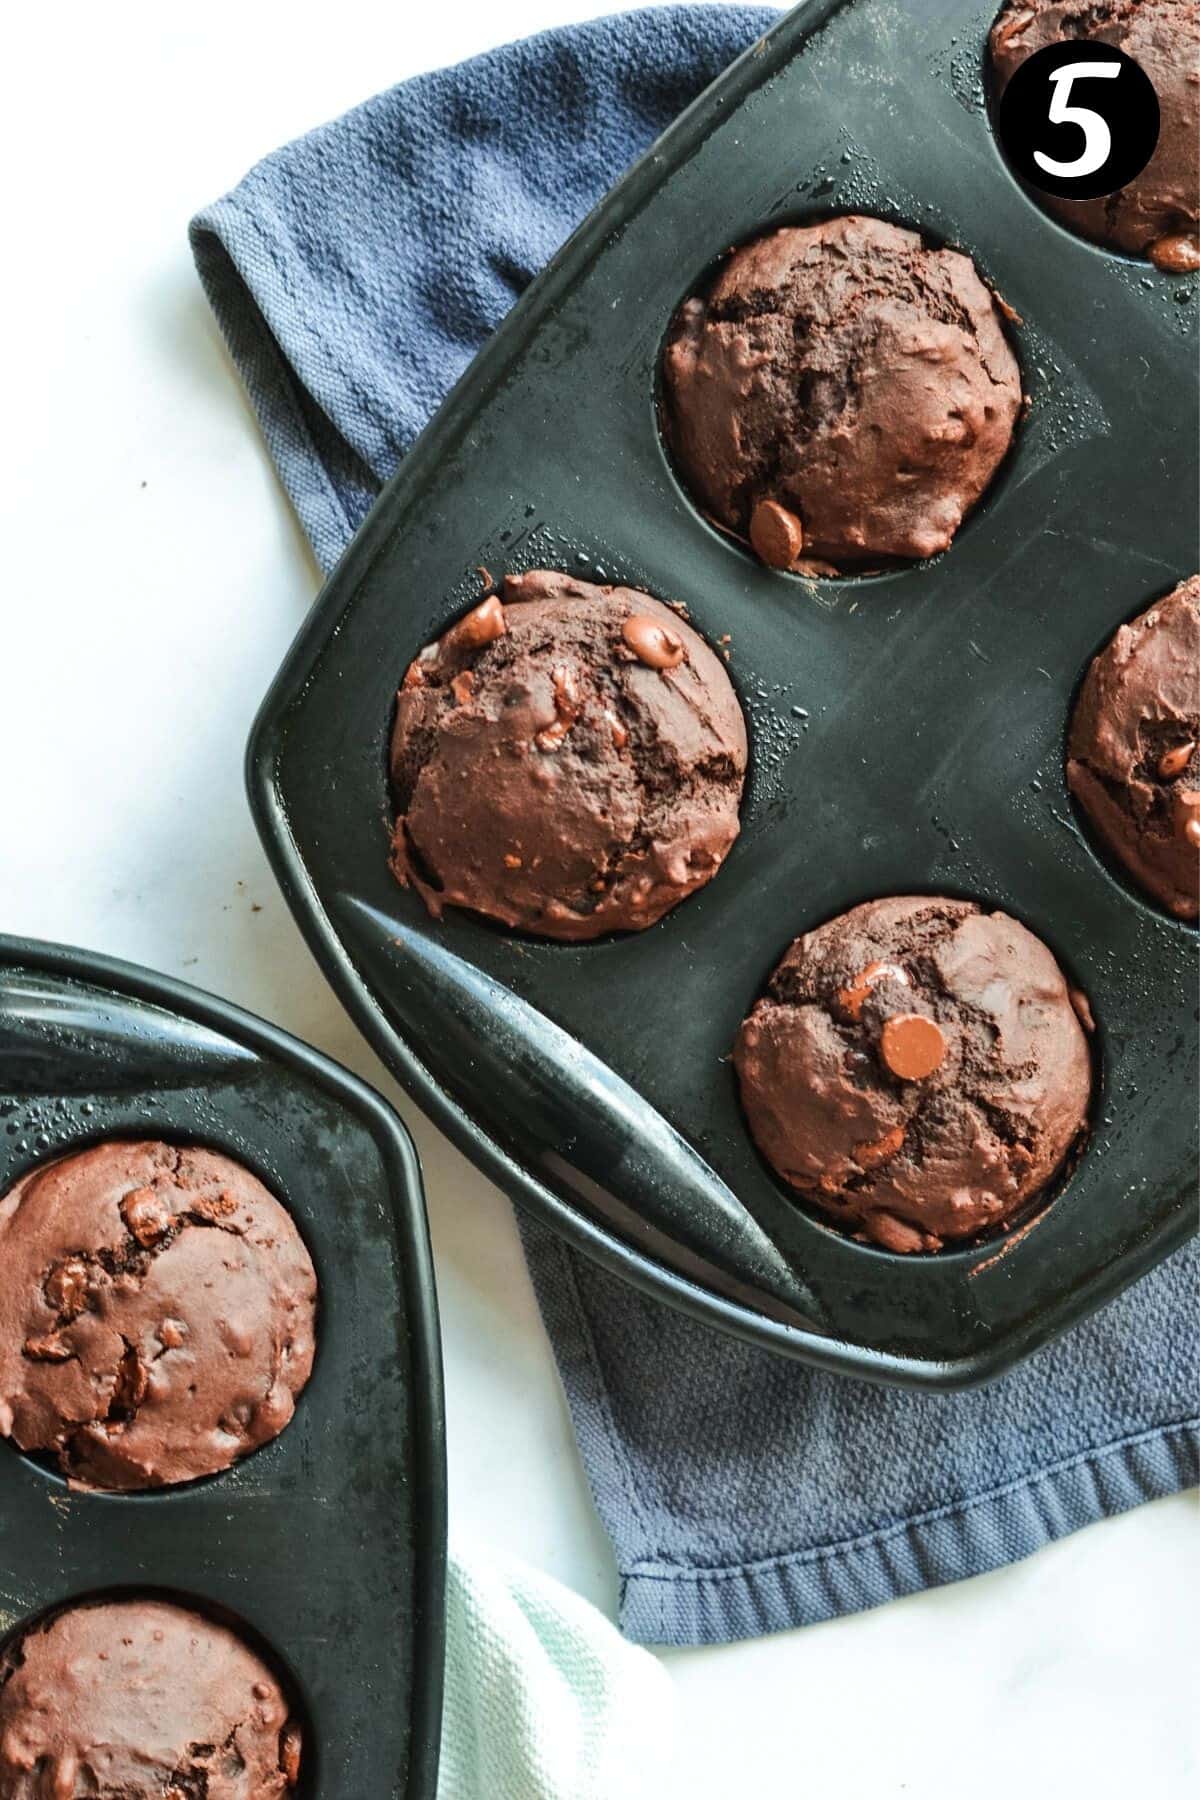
406,1191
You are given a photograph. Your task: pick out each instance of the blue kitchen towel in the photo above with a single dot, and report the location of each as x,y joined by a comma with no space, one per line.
355,274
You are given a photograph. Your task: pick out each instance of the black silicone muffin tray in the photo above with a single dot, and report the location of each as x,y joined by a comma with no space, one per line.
326,1546
907,728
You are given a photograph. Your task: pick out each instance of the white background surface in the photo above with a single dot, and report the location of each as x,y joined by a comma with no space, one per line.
155,577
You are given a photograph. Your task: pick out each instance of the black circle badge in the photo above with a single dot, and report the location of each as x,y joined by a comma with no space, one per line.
1079,119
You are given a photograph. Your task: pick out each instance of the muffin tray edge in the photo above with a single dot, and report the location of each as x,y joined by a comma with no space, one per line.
506,1042
328,1550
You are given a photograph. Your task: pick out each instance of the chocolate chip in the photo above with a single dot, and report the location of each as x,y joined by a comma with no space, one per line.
146,1215
566,709
776,535
851,999
1173,762
895,1234
652,642
482,625
620,736
51,1348
63,1777
867,1156
67,1285
1083,1009
912,1046
1176,254
130,1390
1187,815
289,1752
214,1206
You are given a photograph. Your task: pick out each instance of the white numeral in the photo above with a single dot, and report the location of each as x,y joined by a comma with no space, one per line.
1097,138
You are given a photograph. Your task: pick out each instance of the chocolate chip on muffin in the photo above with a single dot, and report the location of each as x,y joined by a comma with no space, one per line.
567,759
156,1315
1133,756
144,1700
842,395
1157,214
916,1069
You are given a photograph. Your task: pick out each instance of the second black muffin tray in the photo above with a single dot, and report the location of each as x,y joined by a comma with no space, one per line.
907,729
327,1545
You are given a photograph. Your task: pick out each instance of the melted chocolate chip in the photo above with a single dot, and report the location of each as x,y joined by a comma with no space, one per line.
51,1348
895,1234
146,1215
482,625
1174,761
776,535
290,1743
652,642
868,1156
912,1046
566,710
852,998
1083,1009
1176,254
67,1286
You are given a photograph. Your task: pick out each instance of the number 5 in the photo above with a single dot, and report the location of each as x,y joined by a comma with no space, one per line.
1097,138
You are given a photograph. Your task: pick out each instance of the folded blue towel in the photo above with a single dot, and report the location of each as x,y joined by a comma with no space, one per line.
355,274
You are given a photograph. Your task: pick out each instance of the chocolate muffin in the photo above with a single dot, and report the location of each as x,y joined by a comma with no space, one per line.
916,1069
145,1701
1133,761
842,395
1158,213
156,1314
567,759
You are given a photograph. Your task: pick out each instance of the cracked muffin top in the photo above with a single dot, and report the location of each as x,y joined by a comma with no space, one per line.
917,1069
156,1315
1157,214
567,759
144,1700
1133,756
842,395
